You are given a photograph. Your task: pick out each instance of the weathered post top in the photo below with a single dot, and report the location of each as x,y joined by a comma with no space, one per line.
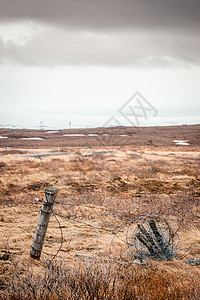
50,195
51,190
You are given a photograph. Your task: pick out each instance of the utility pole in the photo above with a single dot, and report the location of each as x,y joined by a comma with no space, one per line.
41,125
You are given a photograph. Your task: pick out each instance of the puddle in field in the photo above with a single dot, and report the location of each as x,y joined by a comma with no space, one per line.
181,142
91,134
52,131
74,134
33,138
80,134
3,137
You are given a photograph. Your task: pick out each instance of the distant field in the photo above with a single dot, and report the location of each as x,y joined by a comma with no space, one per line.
100,137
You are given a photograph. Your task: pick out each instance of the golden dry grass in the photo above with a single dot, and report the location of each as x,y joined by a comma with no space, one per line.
97,194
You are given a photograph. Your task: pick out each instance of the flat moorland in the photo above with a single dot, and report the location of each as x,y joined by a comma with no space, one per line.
99,137
106,183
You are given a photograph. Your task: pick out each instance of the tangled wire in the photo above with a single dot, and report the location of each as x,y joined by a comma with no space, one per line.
153,237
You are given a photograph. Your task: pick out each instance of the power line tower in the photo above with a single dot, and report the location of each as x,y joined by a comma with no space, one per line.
41,125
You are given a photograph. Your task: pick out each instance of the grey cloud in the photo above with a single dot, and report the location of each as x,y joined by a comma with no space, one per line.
53,47
105,13
106,32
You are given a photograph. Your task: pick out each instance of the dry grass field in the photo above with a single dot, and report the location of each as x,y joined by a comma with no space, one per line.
103,191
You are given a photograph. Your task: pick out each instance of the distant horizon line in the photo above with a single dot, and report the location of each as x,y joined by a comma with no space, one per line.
94,127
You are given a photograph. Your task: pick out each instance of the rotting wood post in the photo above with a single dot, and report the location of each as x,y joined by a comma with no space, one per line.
145,242
164,248
156,250
45,213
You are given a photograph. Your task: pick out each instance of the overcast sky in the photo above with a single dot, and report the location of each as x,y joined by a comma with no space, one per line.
81,60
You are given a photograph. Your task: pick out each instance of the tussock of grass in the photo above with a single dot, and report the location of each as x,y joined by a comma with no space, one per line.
102,281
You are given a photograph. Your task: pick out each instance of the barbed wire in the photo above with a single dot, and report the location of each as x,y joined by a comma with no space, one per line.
87,224
155,229
61,233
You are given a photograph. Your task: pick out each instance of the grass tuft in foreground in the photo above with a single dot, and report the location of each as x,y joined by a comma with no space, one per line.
92,280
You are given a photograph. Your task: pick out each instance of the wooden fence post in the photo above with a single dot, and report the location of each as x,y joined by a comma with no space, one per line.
45,213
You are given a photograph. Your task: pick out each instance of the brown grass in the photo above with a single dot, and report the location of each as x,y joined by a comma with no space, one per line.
97,195
102,281
135,136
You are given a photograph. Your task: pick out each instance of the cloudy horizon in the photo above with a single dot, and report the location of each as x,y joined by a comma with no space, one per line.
77,60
